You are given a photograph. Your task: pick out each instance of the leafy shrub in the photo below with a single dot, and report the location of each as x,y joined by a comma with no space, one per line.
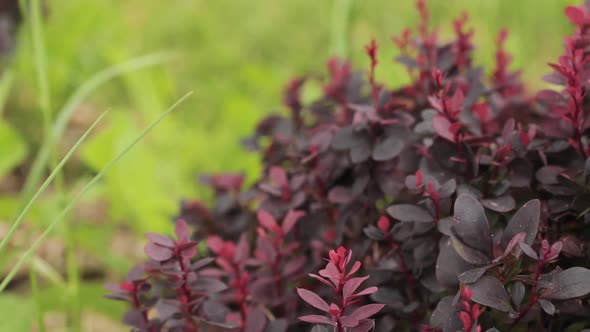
465,199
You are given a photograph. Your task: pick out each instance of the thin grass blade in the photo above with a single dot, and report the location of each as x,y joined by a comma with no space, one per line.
25,257
29,205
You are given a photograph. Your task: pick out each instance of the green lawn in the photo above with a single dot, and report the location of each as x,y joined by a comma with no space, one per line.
236,56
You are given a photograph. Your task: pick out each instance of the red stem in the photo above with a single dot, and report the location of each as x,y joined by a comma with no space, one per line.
137,306
405,270
578,117
534,297
186,292
276,268
407,275
341,301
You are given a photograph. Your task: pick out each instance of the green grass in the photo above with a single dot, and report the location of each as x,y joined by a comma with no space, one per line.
235,54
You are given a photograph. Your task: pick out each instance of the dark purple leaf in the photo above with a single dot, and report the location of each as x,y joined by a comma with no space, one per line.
347,138
470,234
208,285
526,220
528,250
388,148
549,174
500,204
571,283
340,195
547,306
255,321
161,240
409,213
389,296
517,292
445,316
157,252
313,299
490,292
361,152
471,276
449,265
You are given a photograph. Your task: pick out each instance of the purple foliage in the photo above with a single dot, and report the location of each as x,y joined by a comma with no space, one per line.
465,199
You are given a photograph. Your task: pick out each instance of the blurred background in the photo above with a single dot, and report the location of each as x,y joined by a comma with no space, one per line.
136,58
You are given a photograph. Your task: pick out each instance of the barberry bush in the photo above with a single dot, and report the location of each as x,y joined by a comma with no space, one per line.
460,202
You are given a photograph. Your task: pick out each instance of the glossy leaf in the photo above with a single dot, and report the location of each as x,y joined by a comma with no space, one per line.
313,299
571,283
471,233
490,292
409,213
388,149
526,220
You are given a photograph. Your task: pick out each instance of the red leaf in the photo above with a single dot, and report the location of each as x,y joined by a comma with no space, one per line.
435,103
349,321
366,311
267,220
441,126
457,101
355,267
331,271
183,232
215,243
278,176
366,291
313,299
316,319
352,285
575,15
291,219
383,224
317,277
